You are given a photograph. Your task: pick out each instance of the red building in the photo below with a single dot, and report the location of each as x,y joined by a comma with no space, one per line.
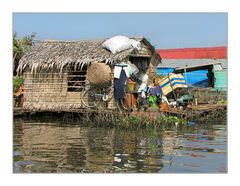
194,53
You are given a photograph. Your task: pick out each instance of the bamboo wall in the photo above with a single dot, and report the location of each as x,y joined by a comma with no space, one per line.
50,91
45,91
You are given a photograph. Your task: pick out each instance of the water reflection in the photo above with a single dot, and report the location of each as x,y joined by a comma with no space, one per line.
43,146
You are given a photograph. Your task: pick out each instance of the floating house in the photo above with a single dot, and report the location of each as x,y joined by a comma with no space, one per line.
56,72
201,67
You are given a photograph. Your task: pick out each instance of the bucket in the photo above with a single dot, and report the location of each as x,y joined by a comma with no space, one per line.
131,86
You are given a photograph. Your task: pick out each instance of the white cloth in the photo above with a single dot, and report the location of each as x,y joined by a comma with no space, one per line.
117,71
164,99
145,78
128,73
143,94
143,87
127,69
135,44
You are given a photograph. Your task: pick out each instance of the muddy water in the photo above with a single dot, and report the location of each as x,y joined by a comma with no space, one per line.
49,145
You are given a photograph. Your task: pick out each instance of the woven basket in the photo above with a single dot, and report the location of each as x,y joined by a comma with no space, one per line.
99,74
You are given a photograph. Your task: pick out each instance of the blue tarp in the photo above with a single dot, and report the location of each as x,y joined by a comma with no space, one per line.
163,71
196,78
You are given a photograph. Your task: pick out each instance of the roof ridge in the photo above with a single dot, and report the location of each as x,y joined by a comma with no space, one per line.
82,40
67,41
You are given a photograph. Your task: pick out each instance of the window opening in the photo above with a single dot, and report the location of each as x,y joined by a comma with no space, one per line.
76,79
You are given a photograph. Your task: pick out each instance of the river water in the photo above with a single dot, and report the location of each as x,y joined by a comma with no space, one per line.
49,145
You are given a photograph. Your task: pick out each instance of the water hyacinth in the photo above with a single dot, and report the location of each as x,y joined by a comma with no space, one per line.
133,122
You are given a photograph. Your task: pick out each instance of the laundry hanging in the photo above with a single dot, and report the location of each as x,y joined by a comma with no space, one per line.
119,85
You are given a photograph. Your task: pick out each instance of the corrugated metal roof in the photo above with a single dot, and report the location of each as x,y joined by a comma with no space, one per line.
182,63
194,53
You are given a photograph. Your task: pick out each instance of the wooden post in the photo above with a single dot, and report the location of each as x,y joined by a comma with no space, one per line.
185,74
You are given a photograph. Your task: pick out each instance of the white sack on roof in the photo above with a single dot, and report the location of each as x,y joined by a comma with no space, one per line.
135,44
120,43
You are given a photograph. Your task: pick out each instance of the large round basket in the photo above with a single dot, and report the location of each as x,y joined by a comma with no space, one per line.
99,74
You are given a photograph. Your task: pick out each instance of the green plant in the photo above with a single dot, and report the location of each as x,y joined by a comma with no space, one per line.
222,100
20,46
17,82
163,119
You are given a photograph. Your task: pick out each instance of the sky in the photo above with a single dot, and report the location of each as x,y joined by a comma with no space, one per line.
163,30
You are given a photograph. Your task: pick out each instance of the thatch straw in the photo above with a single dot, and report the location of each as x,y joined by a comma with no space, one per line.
48,55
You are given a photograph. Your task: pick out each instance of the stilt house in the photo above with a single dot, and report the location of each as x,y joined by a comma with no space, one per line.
56,72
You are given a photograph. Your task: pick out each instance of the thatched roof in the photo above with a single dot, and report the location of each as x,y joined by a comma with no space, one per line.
47,55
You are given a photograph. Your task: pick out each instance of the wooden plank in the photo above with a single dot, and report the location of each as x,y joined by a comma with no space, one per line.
207,106
49,73
58,103
77,81
75,86
77,76
140,55
42,89
42,92
47,83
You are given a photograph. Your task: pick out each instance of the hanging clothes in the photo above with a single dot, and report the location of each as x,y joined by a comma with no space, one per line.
127,71
143,87
118,68
117,71
153,101
155,91
119,85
